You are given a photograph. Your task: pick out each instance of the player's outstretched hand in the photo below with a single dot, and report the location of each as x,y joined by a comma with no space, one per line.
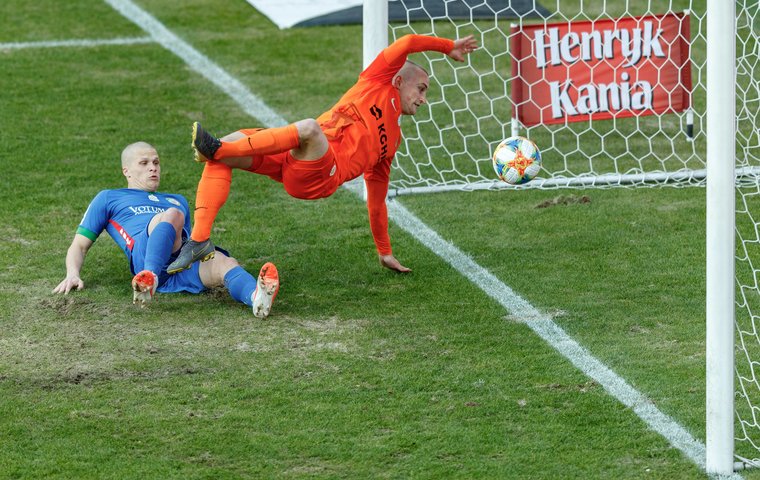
389,261
68,284
463,46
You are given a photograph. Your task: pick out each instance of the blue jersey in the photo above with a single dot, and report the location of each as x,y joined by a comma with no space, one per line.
125,214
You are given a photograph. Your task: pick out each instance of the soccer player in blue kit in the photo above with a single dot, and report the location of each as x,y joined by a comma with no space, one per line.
150,227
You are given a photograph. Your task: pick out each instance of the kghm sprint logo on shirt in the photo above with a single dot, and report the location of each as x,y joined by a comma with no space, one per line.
146,209
382,135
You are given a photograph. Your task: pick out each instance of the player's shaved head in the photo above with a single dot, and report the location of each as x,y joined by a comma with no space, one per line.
132,151
141,166
410,70
412,82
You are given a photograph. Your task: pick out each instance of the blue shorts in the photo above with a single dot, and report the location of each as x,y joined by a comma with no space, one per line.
185,281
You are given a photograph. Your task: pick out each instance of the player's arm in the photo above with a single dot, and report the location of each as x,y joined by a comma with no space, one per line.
92,224
396,53
377,190
74,261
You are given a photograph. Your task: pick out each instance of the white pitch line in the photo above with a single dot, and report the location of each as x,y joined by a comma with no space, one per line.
552,333
251,104
76,43
540,323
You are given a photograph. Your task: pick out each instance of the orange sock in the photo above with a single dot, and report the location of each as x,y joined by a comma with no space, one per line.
213,190
262,142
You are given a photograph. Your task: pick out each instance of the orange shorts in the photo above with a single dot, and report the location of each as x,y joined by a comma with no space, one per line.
304,179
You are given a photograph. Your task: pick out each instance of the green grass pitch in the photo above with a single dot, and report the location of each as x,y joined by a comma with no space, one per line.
358,373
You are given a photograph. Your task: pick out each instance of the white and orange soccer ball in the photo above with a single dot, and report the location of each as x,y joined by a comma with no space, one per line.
516,160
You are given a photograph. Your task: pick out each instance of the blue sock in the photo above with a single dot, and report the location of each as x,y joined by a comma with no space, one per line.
240,284
159,248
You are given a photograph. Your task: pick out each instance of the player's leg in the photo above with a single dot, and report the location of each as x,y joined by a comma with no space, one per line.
211,195
259,295
311,179
214,186
313,144
304,139
163,238
213,190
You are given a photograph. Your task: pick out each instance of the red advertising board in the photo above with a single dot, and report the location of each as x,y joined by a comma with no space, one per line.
576,71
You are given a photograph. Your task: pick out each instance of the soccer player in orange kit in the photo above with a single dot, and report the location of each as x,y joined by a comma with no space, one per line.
312,158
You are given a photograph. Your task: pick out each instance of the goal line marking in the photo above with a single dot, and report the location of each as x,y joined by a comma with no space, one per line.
76,43
540,323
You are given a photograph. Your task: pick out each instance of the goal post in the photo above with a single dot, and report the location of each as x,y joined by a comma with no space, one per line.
720,233
374,29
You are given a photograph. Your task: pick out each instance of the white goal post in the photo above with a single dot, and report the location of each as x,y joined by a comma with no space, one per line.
474,106
721,118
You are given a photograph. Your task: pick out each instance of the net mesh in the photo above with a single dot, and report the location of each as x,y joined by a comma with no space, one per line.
747,264
449,145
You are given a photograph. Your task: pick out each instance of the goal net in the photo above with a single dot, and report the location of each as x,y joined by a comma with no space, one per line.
474,105
748,236
600,138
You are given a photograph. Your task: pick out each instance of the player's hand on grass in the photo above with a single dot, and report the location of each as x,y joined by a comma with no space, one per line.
463,46
68,284
389,261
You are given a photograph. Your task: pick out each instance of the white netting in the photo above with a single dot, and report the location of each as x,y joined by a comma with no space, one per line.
449,145
748,233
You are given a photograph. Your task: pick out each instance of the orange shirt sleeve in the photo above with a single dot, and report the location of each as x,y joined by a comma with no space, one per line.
377,189
392,58
382,69
378,215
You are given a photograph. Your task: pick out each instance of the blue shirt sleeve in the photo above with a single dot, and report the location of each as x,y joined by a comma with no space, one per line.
95,217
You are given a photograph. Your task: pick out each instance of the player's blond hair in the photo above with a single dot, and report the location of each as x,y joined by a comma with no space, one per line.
129,152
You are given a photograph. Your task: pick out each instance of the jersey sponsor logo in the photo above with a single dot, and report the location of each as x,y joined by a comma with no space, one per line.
153,198
142,209
173,201
332,170
382,134
376,112
383,137
127,239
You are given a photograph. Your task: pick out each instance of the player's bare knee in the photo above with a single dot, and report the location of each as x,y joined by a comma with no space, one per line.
308,130
227,263
312,140
174,216
222,265
213,271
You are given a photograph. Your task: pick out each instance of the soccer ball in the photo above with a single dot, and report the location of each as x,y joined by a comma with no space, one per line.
516,160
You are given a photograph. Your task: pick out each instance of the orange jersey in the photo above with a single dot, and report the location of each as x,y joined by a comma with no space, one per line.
364,131
363,127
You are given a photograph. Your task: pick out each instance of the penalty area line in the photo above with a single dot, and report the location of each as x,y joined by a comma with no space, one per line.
540,323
